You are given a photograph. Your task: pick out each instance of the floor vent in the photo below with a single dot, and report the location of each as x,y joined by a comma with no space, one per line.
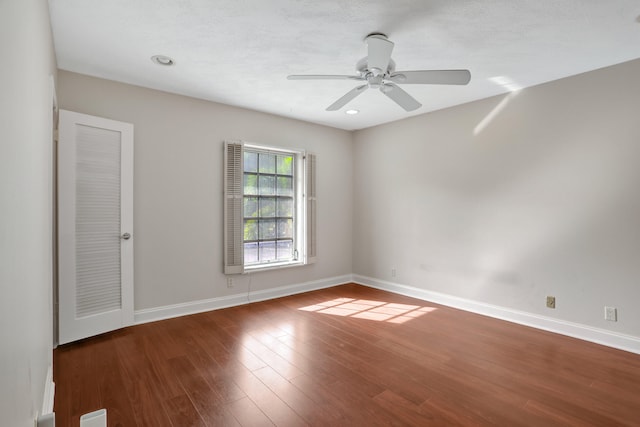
94,419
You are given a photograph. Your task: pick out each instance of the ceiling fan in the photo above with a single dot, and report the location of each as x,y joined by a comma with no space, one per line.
378,70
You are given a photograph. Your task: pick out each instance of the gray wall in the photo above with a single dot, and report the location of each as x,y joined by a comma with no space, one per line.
178,187
25,208
501,201
505,205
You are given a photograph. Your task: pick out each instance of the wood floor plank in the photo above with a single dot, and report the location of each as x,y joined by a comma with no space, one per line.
219,380
248,414
268,401
325,400
555,417
348,355
270,358
450,412
183,413
305,407
144,390
206,400
407,411
361,409
109,373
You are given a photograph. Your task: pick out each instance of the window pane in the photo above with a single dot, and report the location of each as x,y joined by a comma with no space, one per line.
267,229
251,229
250,183
267,163
285,186
285,207
285,165
285,228
250,253
267,185
250,207
250,161
284,250
267,207
267,251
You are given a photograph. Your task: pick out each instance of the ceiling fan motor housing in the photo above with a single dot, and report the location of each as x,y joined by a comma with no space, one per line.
362,67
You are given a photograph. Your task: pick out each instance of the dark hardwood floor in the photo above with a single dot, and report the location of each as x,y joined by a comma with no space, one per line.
344,356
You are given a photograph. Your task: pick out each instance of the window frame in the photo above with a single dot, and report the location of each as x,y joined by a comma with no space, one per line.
304,211
298,160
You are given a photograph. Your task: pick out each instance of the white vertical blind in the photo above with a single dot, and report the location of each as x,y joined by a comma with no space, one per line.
98,274
233,213
310,169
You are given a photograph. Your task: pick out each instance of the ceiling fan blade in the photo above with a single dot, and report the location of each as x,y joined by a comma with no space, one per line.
379,53
400,97
347,97
322,77
432,77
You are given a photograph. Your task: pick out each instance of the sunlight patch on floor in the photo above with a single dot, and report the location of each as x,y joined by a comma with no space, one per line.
379,311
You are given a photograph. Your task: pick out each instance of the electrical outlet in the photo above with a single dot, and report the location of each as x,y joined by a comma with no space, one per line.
393,272
551,302
229,282
611,314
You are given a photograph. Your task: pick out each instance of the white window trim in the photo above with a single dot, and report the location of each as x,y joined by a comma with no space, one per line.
305,205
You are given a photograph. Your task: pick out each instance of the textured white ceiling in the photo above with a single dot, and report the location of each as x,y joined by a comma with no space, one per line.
239,52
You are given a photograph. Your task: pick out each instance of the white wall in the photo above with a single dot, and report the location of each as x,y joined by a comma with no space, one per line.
178,187
25,208
544,199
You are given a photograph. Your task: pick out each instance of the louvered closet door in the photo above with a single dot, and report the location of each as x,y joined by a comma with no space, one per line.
95,225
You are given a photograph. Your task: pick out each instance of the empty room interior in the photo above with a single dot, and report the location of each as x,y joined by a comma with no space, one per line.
256,213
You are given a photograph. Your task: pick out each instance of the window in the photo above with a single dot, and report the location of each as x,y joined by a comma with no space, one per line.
268,204
269,207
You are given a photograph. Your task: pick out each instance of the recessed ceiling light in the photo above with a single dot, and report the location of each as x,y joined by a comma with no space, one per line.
162,60
352,112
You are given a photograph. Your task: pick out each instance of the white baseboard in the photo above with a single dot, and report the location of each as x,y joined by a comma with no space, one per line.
575,330
49,393
199,306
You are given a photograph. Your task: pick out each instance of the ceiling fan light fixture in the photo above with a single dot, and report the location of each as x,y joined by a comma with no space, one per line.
163,60
352,112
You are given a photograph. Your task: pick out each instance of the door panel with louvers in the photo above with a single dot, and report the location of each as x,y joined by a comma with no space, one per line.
97,221
95,200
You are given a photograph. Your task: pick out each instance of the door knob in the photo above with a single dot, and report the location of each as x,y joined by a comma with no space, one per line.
126,236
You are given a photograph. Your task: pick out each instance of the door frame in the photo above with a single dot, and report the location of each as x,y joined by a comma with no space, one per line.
53,193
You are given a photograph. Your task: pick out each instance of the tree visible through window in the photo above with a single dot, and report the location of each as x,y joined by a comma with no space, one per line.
269,207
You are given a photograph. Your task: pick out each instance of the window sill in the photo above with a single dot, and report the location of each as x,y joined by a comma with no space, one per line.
272,266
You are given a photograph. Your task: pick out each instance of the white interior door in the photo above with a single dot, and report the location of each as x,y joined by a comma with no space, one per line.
95,225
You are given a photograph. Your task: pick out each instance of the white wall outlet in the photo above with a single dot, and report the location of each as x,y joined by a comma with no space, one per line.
229,282
393,272
611,314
